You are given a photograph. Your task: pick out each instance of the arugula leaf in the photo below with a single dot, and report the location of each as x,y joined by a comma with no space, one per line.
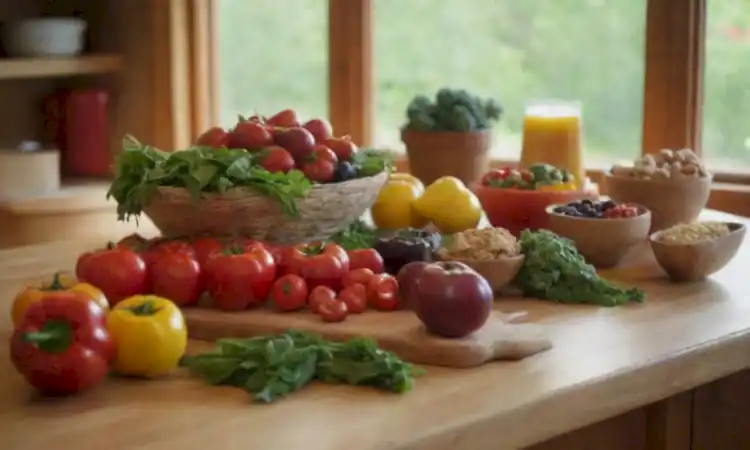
271,367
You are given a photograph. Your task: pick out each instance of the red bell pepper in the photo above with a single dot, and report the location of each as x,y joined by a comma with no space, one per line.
62,345
319,264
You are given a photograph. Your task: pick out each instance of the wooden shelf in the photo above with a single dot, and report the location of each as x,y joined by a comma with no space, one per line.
75,196
20,68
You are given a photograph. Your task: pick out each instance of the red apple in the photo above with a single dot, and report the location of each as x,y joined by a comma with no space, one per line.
297,141
250,135
343,147
215,137
407,279
451,299
286,118
320,128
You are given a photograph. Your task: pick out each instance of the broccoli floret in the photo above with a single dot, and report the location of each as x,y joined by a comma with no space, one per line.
419,103
462,119
445,99
422,121
492,109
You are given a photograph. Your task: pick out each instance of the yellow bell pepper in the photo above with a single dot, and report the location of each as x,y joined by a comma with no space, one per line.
33,294
150,336
449,205
557,187
409,178
393,209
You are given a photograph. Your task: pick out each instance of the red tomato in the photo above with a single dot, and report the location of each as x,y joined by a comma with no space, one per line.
320,295
320,128
320,264
357,276
241,278
343,147
355,298
382,292
286,118
494,176
333,311
321,165
215,137
118,272
289,293
135,242
275,159
205,248
174,247
250,135
365,258
177,276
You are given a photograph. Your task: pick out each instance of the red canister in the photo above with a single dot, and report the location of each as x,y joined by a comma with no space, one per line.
77,120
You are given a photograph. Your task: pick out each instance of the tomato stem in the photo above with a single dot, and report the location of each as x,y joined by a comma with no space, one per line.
111,245
313,249
56,284
147,308
55,336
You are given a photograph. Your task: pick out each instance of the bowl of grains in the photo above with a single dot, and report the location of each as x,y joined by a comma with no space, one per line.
694,251
673,184
492,252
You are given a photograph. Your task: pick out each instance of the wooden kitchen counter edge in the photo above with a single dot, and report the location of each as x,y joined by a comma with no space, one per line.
606,361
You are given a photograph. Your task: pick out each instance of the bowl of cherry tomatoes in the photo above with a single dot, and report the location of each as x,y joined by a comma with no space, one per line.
516,199
603,231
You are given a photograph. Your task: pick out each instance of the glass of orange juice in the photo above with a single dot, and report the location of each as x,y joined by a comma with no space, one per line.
552,135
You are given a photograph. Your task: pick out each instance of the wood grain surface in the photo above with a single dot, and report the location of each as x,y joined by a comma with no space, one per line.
605,362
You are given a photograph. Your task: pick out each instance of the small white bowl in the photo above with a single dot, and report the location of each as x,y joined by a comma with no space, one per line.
43,37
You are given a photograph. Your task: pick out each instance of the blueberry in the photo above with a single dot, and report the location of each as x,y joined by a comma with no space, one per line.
607,204
587,202
559,210
344,171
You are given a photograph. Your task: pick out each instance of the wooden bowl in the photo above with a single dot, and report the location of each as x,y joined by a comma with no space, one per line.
499,272
671,202
517,210
602,242
693,262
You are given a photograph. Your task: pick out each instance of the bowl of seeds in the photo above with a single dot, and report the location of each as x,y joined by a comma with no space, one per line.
694,251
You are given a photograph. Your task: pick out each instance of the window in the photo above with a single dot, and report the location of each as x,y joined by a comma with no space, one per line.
272,54
726,104
516,51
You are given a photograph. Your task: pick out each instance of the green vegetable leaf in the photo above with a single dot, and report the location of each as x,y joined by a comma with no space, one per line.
554,270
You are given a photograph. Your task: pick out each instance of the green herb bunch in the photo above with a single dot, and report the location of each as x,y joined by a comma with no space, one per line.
271,367
141,169
452,110
554,270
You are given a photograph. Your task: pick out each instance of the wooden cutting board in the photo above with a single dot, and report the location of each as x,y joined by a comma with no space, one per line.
400,331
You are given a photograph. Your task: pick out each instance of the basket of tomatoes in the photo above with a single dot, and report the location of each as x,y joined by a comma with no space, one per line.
271,179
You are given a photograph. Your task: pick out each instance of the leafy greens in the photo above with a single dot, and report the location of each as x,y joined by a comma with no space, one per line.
141,169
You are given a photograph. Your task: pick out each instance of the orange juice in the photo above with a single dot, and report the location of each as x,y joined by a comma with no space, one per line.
552,135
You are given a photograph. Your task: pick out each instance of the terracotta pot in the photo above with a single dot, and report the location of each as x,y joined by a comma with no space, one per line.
434,154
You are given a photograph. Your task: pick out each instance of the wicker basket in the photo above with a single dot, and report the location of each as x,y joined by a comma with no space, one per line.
325,210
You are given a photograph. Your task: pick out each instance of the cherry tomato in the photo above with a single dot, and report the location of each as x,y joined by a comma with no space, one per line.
118,272
241,278
319,264
320,128
320,166
320,295
215,137
357,276
177,276
333,311
275,159
286,118
343,147
494,176
365,258
289,293
355,298
382,292
250,135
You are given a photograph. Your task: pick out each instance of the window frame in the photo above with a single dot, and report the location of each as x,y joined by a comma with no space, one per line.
673,85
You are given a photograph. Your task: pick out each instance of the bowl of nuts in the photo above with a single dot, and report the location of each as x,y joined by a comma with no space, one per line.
494,253
692,252
602,230
674,185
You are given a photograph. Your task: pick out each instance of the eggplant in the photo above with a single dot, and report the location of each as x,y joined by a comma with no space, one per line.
401,247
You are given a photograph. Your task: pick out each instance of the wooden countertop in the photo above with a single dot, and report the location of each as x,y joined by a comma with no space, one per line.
605,361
